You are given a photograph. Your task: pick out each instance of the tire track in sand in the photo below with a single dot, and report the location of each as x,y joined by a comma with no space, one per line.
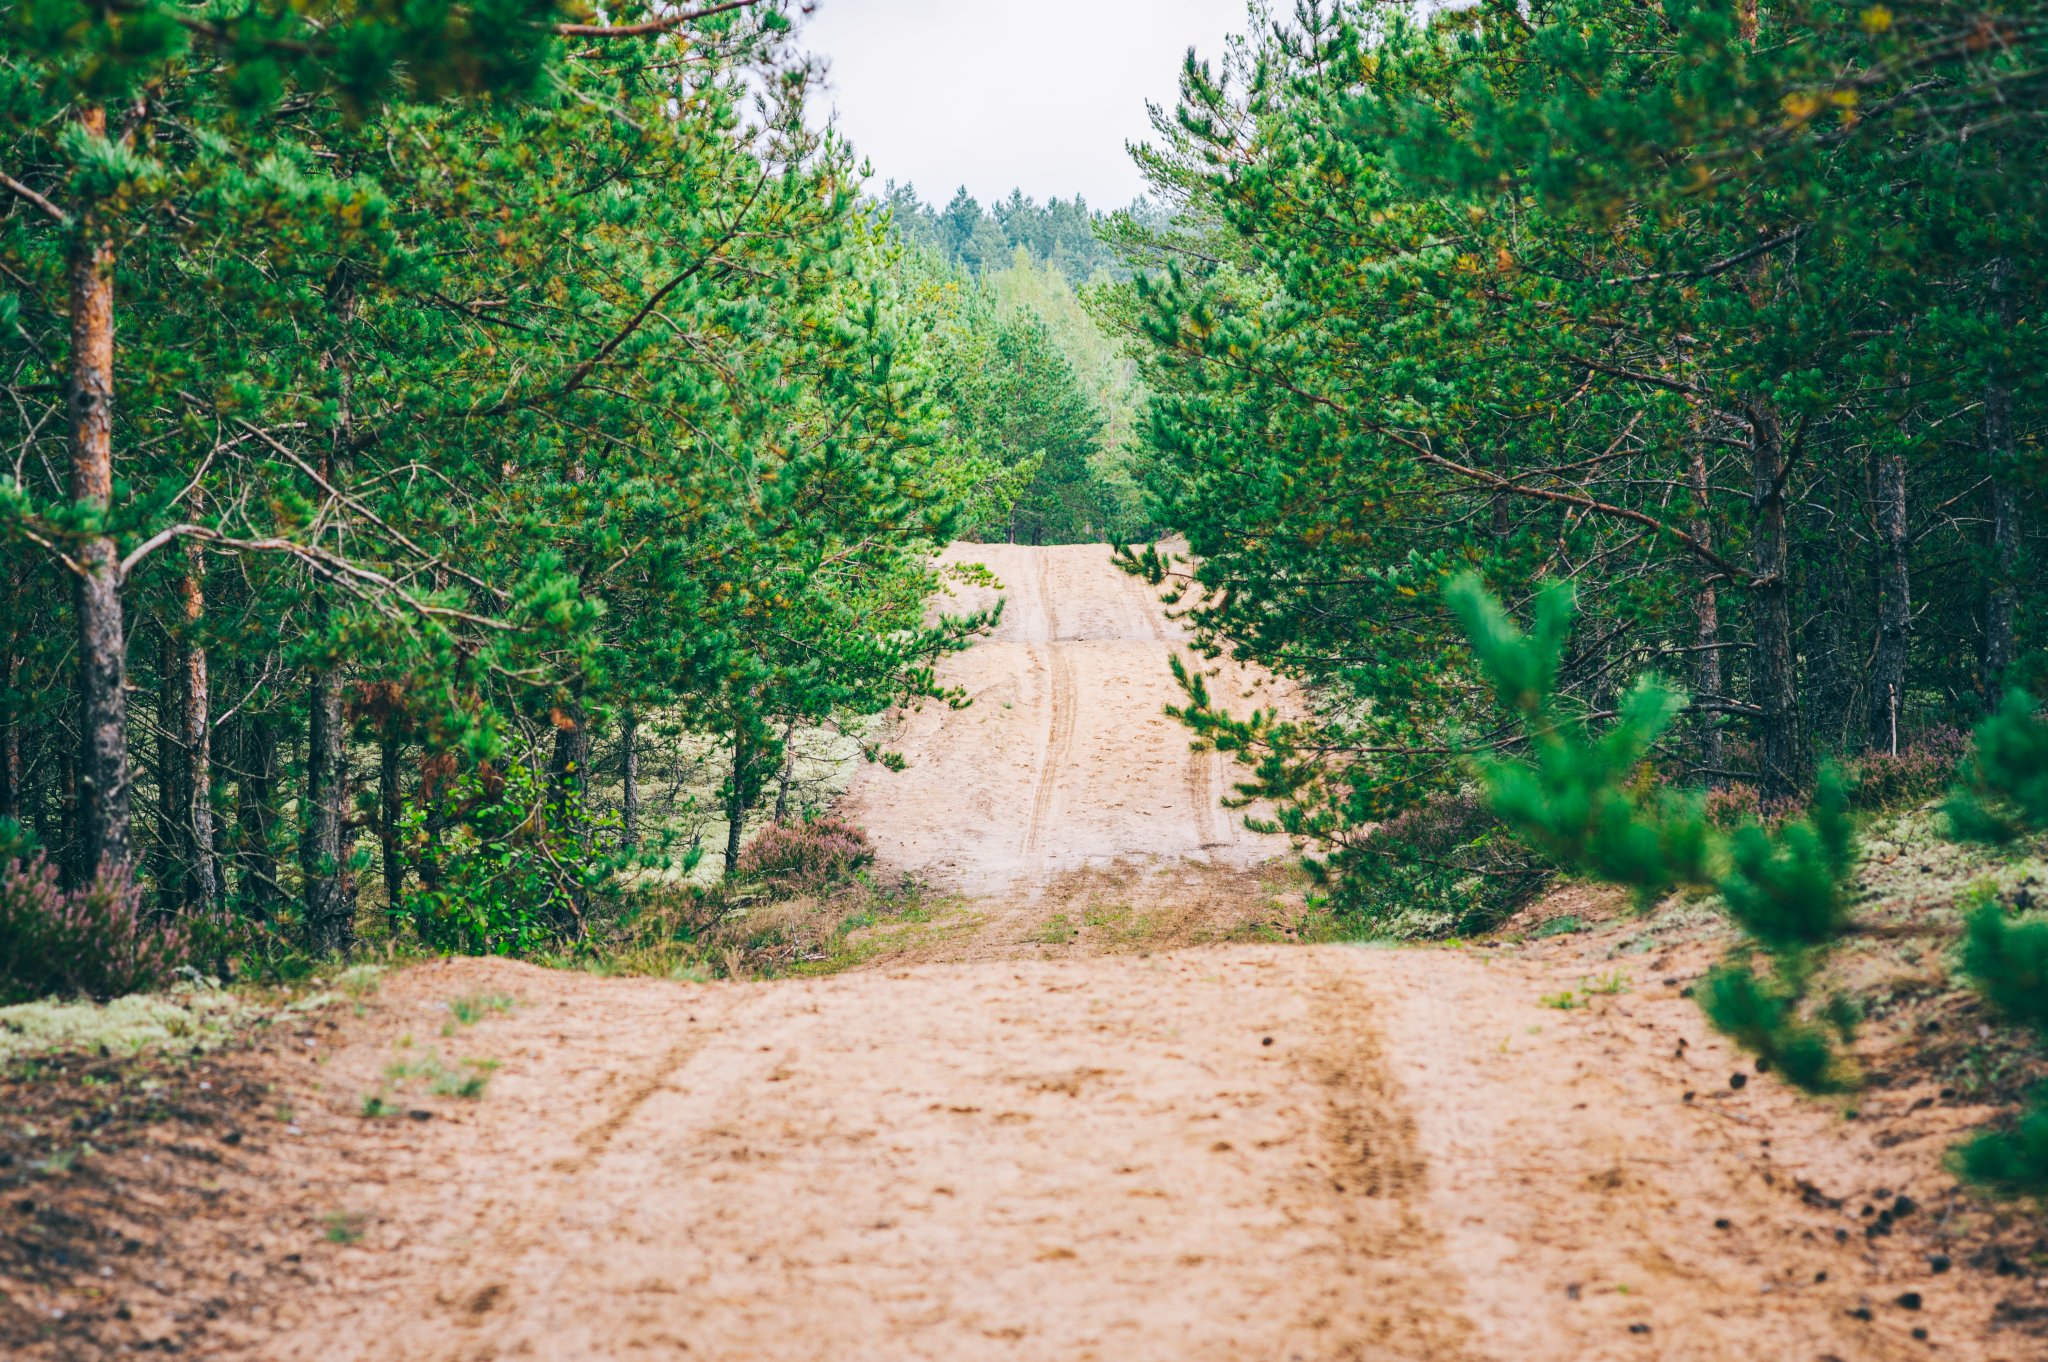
484,1274
1059,743
1059,740
1202,794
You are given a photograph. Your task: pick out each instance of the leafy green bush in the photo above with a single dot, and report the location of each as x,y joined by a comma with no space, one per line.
505,866
1449,866
95,941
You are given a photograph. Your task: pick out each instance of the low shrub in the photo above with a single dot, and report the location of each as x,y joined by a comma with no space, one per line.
1446,867
1921,772
95,941
807,856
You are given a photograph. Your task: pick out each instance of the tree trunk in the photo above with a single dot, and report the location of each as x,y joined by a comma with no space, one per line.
1830,670
569,787
390,807
2003,597
1894,604
171,838
629,777
322,850
569,769
788,775
1780,749
205,866
103,806
256,816
736,801
1707,680
12,771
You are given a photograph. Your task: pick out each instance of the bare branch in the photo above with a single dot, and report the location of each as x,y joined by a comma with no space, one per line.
22,191
652,27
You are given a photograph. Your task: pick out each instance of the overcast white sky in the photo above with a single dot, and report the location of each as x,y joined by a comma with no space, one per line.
1037,94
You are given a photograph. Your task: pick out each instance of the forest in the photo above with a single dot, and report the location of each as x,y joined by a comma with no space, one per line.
1735,331
410,417
500,494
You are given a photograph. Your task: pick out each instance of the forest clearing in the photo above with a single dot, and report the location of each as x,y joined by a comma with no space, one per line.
622,737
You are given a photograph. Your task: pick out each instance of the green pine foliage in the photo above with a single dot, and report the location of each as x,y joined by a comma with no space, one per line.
489,386
2002,792
1789,888
2012,1162
1580,797
1767,1021
1620,295
2008,962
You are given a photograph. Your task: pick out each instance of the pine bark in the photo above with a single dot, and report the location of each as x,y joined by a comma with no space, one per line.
2002,599
569,769
788,773
1780,748
736,802
323,848
204,868
390,807
1894,602
1707,677
256,816
105,837
170,849
629,777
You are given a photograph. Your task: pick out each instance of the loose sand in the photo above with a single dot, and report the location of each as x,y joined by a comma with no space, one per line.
1233,1153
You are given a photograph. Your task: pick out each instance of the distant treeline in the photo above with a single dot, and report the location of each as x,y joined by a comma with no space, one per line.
1058,232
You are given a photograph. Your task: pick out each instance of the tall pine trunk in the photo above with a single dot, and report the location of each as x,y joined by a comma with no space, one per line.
1894,602
390,806
736,801
1780,750
323,848
204,868
171,838
256,816
2003,597
629,777
104,836
1707,679
788,775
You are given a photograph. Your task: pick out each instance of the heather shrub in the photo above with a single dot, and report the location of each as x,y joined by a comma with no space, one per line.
94,941
811,855
1916,775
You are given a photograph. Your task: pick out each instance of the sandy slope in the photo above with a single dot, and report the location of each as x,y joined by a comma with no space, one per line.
1237,1154
1066,757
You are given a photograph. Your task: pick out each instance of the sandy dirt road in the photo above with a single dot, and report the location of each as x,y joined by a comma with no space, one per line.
1066,757
1235,1153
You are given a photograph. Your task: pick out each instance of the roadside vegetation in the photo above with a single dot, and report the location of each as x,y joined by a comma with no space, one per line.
1504,356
